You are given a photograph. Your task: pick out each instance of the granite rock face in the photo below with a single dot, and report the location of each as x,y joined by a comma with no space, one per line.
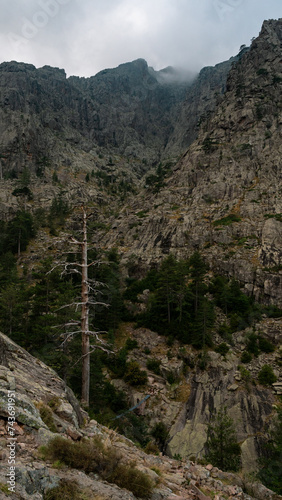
187,406
33,383
132,110
224,195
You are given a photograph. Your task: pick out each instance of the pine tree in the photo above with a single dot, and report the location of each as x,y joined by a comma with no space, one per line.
19,232
198,269
223,450
203,322
270,472
167,285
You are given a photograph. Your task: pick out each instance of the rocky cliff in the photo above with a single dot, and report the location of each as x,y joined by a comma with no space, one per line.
131,110
224,195
186,406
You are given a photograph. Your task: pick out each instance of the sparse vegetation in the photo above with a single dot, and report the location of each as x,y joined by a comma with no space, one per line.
134,375
93,456
266,375
246,357
209,145
219,191
155,182
226,221
222,349
65,491
47,416
154,365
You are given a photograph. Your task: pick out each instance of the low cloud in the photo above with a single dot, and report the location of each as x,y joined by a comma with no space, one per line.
86,36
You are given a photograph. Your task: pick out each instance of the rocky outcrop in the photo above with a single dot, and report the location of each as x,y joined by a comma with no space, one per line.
186,401
221,385
34,383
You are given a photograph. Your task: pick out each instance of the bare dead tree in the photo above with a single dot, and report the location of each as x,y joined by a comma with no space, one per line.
88,291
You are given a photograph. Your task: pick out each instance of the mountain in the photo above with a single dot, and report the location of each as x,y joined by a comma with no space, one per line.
131,110
224,195
168,165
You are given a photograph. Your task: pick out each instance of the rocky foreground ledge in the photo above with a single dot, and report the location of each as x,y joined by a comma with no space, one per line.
31,390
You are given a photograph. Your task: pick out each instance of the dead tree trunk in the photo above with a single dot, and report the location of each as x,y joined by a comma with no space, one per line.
85,317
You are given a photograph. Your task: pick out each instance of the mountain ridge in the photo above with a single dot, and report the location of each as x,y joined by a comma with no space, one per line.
117,108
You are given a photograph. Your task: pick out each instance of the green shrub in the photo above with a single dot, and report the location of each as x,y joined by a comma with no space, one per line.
265,345
209,145
160,433
135,428
246,357
117,363
170,341
54,403
135,376
236,322
131,344
24,191
171,378
55,177
269,472
226,221
276,79
223,449
262,71
272,311
252,344
4,488
154,366
142,213
151,448
222,349
65,491
224,331
126,476
90,455
245,374
47,416
156,470
266,375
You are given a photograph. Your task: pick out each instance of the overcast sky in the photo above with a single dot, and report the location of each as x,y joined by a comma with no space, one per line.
86,36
